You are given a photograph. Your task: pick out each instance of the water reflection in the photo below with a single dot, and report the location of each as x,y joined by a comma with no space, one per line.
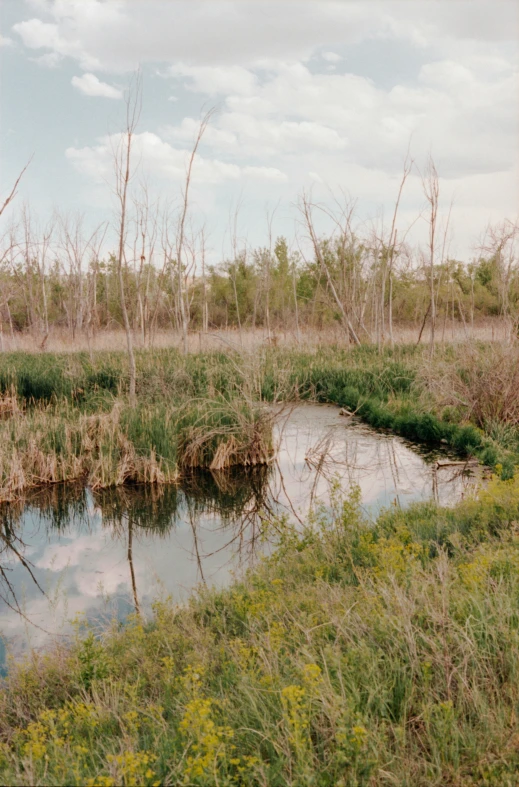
158,508
66,550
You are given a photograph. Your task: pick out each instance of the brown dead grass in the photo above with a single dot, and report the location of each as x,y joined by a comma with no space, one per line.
113,340
481,380
248,443
9,404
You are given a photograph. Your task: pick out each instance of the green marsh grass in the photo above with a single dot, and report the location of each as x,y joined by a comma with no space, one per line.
65,416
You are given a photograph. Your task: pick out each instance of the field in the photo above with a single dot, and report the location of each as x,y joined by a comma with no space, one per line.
357,654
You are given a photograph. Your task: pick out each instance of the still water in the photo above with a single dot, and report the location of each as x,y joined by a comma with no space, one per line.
67,551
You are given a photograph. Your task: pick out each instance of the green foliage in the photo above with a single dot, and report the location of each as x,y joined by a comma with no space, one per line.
236,291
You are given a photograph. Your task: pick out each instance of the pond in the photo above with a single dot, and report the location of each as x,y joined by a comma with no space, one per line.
104,553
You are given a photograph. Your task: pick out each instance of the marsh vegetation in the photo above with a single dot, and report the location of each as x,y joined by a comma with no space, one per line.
356,650
68,418
372,652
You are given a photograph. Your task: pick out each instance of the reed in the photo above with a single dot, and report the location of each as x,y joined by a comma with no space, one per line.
151,444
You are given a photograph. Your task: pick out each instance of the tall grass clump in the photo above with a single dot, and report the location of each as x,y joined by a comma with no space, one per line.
221,434
152,443
480,381
356,654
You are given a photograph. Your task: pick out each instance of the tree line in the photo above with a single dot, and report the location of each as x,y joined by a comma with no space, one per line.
366,279
55,278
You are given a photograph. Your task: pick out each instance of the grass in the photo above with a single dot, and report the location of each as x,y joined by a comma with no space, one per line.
62,341
67,419
64,417
151,444
354,655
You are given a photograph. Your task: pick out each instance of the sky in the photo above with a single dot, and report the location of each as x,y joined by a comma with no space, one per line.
311,95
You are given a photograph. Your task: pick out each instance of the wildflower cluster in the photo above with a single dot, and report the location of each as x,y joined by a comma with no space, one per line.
206,741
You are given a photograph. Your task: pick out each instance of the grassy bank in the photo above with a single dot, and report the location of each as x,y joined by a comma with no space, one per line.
355,655
65,417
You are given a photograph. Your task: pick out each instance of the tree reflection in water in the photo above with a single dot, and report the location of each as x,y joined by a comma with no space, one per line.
239,500
12,545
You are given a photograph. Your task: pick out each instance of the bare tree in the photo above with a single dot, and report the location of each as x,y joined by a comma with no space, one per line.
12,193
95,244
293,272
180,246
268,262
501,246
30,268
122,156
77,247
408,165
306,209
162,275
232,268
431,187
145,240
205,306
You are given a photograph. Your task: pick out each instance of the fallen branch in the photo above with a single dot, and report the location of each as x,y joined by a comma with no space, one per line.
452,463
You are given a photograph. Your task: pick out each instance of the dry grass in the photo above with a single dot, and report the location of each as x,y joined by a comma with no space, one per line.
246,441
9,404
248,340
42,448
481,380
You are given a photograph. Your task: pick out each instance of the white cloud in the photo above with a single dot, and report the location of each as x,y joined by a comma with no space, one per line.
445,74
117,35
247,135
344,114
165,162
68,35
37,34
331,57
264,173
90,85
274,137
6,41
49,60
188,129
214,80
